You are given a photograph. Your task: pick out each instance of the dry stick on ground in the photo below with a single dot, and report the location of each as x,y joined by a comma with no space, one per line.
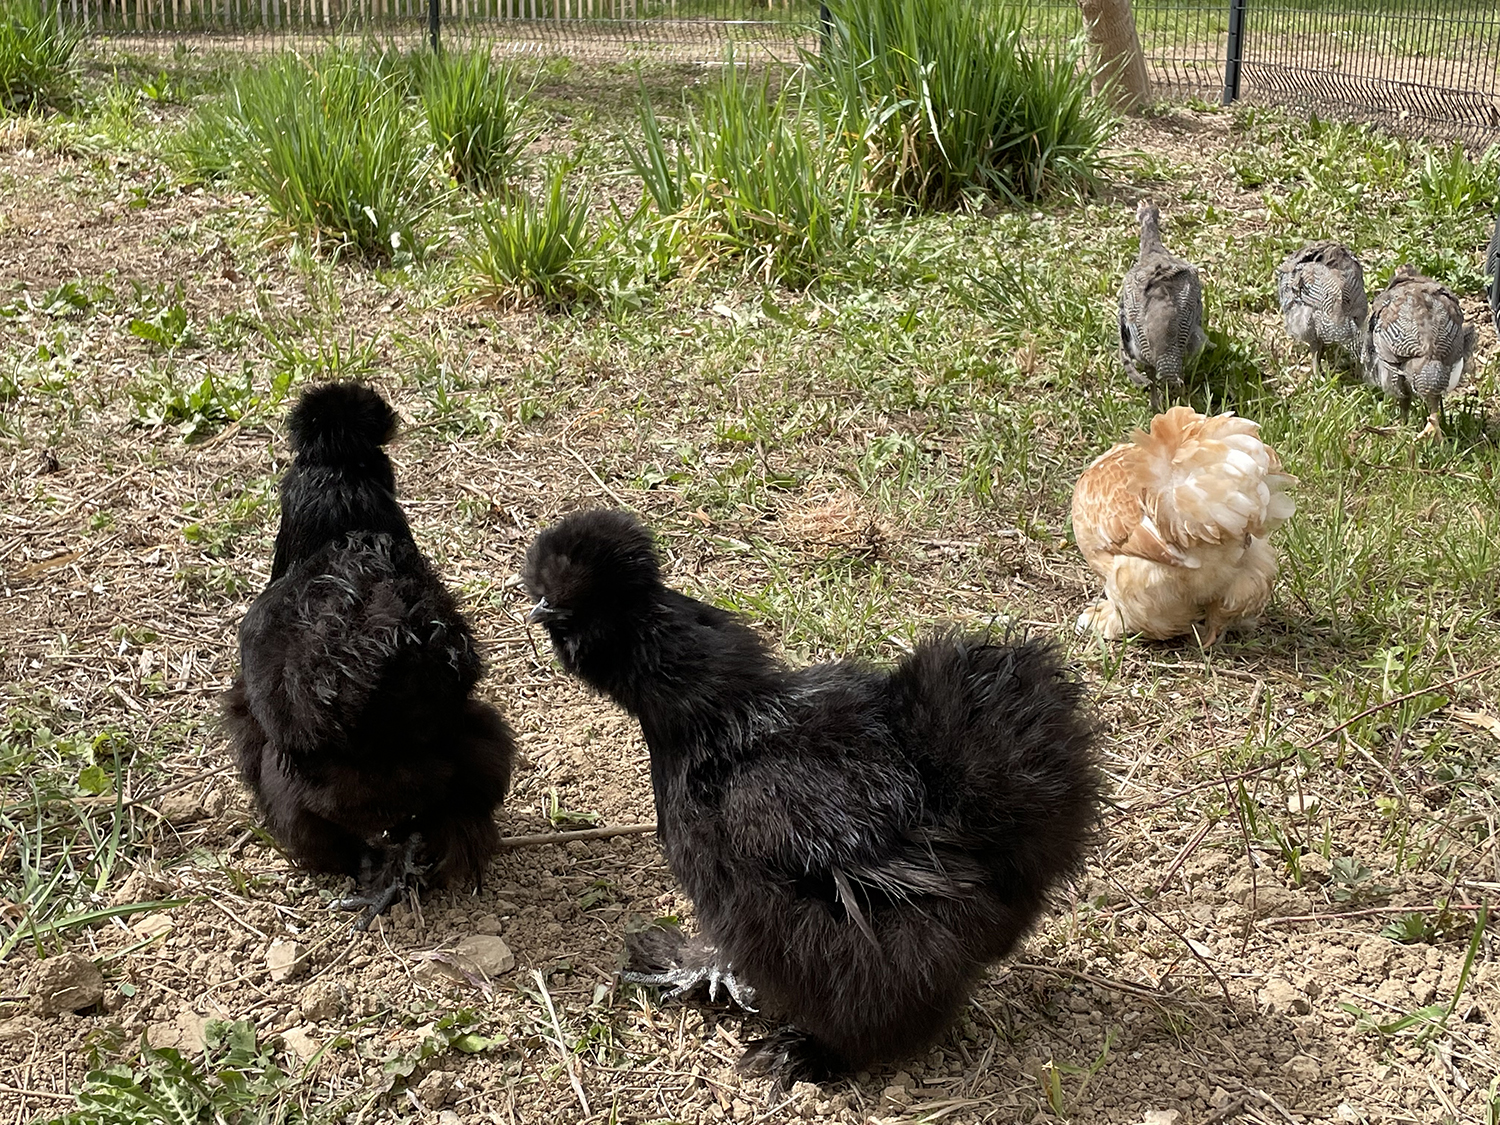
1154,994
1457,907
560,1042
581,834
1324,737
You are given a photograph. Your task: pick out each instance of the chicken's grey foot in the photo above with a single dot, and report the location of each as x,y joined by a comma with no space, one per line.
679,982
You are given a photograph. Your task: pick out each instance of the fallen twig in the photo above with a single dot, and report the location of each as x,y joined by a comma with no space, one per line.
1457,907
580,834
560,1042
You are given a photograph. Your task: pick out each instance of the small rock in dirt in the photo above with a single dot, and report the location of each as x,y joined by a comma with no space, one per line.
488,924
1303,1069
1219,1098
1263,898
1373,955
300,1043
437,1089
448,1117
323,1000
152,925
286,959
1282,996
183,1033
804,1096
181,808
489,954
1160,1117
139,887
65,983
18,1028
739,1110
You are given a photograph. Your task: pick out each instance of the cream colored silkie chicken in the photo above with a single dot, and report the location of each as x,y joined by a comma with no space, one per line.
1176,522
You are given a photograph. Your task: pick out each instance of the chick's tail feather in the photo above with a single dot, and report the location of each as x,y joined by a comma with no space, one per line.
1208,479
1003,733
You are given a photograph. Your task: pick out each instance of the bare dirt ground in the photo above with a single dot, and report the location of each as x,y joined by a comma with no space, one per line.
1186,978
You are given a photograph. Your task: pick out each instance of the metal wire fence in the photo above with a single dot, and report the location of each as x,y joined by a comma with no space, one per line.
1421,66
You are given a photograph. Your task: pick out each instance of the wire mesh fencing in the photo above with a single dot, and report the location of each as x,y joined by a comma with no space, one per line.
1427,67
698,28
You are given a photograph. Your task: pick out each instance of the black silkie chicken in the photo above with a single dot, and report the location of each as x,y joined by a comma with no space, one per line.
352,718
859,844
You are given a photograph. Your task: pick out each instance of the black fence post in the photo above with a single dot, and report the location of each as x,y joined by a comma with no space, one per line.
1234,51
434,22
825,28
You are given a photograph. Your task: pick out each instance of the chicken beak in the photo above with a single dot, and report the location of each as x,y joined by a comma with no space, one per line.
542,613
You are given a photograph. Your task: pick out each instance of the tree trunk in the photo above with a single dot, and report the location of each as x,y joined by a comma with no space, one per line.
1119,65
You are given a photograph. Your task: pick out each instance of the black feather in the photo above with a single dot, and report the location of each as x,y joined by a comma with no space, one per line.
352,718
859,844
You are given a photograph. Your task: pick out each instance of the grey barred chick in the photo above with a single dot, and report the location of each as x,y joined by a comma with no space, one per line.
1492,271
1322,292
1161,313
1417,344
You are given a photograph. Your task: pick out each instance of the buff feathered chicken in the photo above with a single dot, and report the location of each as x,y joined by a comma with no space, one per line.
1176,521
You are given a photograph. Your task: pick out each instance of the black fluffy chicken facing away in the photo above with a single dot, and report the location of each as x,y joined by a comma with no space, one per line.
858,843
351,717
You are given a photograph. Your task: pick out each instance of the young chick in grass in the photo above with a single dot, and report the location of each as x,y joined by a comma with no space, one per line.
858,843
351,717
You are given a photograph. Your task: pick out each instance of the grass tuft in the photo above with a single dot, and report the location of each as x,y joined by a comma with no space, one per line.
950,103
473,117
36,55
327,141
749,182
533,249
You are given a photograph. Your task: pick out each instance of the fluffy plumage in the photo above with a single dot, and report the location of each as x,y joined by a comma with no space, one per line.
1417,344
351,717
1176,521
1161,313
858,843
1322,292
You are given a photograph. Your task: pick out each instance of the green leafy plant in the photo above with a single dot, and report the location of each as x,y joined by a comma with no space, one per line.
750,180
36,55
328,141
160,1086
951,101
531,249
473,116
196,409
167,329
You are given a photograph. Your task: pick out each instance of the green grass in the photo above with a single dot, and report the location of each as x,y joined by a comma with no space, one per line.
474,114
533,248
749,180
327,140
37,65
951,103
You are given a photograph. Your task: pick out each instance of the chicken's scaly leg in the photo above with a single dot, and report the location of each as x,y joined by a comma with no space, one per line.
663,958
397,875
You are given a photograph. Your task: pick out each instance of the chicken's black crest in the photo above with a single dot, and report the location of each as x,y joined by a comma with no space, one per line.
340,421
858,843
